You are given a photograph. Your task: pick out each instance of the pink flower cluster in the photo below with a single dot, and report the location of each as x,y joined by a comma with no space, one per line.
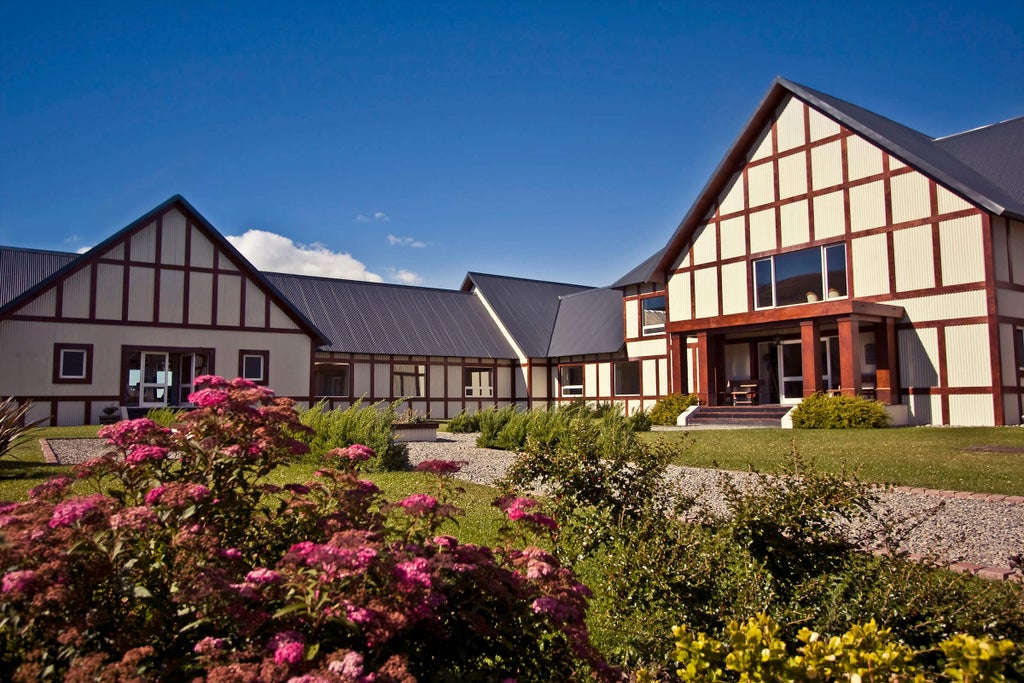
357,452
140,454
17,581
517,511
288,647
441,467
67,512
130,432
419,504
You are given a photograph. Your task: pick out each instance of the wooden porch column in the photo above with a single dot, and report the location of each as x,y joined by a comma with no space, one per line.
810,352
849,356
677,352
887,374
707,368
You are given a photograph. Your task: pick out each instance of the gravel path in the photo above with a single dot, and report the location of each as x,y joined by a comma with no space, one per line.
978,532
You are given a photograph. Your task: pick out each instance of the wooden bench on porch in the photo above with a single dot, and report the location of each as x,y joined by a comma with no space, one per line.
743,394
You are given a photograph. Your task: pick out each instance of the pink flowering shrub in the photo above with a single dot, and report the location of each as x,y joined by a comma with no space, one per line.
185,564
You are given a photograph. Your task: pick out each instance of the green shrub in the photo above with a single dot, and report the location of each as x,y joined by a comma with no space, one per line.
166,416
640,421
464,423
668,408
13,425
357,424
492,421
821,411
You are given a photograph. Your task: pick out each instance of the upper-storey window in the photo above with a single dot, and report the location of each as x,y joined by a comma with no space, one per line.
653,315
799,277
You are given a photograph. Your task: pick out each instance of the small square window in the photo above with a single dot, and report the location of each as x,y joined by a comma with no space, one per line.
408,381
72,363
479,382
627,378
252,365
653,313
570,377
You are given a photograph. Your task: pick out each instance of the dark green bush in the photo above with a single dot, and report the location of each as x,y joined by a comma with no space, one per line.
464,423
369,425
668,408
640,421
492,421
821,411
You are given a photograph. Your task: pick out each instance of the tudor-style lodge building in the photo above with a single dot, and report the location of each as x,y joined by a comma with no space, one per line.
831,250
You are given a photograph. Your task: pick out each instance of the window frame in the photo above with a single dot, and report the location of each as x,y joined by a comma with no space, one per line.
658,329
419,372
1018,347
347,376
59,351
615,377
563,388
469,388
264,357
826,285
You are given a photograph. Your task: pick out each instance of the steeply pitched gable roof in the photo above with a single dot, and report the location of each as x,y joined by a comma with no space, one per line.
23,269
996,152
369,317
588,322
931,157
645,272
527,308
71,263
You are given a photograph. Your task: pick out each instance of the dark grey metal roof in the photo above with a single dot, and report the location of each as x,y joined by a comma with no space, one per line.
645,272
22,269
588,322
369,317
527,308
996,152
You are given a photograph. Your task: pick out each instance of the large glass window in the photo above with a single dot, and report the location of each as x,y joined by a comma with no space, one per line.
409,381
627,378
653,312
799,277
570,377
479,382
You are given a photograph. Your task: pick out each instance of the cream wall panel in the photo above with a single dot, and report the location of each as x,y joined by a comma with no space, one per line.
895,164
737,361
255,305
141,281
966,364
1007,357
706,285
821,125
71,413
40,413
691,369
973,410
632,317
172,240
28,363
913,256
790,125
381,379
200,303
172,284
961,246
44,304
649,347
503,381
761,183
435,381
144,244
279,320
732,198
762,146
762,231
829,216
229,300
925,409
827,165
1000,249
796,227
202,250
793,175
1017,251
649,377
224,264
870,266
361,373
437,410
77,291
867,206
109,286
863,158
679,296
1010,303
604,379
1012,409
734,288
590,385
541,385
456,388
732,240
910,198
919,357
115,253
705,249
942,306
949,202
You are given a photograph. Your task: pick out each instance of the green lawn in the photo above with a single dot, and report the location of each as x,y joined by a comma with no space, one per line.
958,458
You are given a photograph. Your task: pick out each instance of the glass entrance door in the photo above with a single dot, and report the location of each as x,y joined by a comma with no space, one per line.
156,380
791,372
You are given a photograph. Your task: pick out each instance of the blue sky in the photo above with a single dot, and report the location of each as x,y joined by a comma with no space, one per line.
413,142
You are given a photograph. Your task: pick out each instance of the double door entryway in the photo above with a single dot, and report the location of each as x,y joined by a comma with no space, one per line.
156,378
782,368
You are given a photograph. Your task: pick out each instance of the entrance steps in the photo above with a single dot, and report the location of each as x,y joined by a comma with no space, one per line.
746,416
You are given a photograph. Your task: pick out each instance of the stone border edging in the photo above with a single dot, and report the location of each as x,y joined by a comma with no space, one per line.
961,495
48,455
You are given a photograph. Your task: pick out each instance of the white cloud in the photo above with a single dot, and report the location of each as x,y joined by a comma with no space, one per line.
82,250
271,252
360,218
406,277
378,217
405,241
381,217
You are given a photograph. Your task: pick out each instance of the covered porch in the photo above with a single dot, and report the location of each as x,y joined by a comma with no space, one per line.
782,355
